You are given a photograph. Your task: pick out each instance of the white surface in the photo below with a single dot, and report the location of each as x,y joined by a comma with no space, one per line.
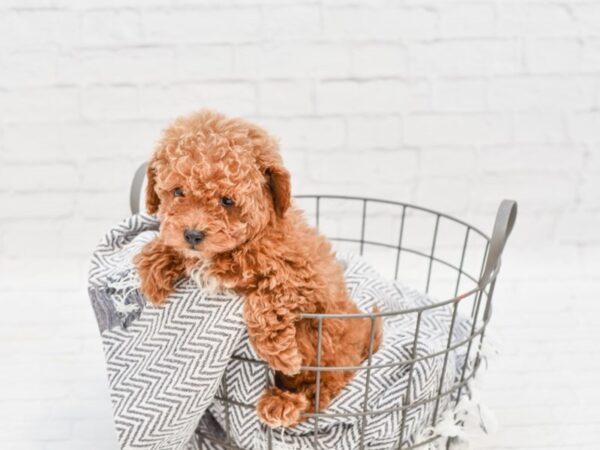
449,104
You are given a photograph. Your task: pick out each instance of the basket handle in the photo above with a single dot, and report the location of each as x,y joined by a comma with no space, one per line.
505,221
135,192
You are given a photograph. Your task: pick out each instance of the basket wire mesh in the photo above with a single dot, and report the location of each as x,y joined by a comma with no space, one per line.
471,275
479,292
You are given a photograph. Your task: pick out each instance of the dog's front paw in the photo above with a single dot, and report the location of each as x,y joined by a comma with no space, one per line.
277,408
155,293
159,267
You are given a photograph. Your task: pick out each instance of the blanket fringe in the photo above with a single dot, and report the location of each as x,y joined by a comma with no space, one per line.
470,418
124,286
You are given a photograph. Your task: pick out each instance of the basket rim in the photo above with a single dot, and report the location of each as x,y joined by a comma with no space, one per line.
397,203
490,268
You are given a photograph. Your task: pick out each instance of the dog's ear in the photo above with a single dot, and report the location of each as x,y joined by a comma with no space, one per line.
278,178
152,200
280,186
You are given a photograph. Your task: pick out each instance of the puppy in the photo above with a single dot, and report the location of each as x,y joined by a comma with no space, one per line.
223,198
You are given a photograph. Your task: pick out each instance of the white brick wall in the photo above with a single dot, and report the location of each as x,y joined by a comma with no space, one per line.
509,89
449,104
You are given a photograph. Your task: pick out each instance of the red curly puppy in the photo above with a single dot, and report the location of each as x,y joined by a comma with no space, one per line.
223,199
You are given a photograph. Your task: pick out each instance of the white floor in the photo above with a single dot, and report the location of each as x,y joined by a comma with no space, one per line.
543,386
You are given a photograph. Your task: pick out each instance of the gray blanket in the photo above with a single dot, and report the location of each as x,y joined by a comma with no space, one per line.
168,367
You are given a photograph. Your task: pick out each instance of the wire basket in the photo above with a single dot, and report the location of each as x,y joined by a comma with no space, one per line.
446,257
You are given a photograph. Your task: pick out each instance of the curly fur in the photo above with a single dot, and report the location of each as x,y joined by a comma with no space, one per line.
260,247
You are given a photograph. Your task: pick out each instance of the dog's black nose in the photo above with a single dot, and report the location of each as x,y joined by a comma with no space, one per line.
193,237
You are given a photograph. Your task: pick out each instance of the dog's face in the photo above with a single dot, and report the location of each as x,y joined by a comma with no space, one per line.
215,183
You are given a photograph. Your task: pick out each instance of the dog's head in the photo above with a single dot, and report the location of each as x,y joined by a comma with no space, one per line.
215,183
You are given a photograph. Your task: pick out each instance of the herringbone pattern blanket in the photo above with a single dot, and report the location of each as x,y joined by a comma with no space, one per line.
168,367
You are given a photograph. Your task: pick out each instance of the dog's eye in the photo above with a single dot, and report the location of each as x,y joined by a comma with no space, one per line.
226,201
178,192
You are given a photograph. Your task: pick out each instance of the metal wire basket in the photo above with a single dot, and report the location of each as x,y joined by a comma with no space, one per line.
449,258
